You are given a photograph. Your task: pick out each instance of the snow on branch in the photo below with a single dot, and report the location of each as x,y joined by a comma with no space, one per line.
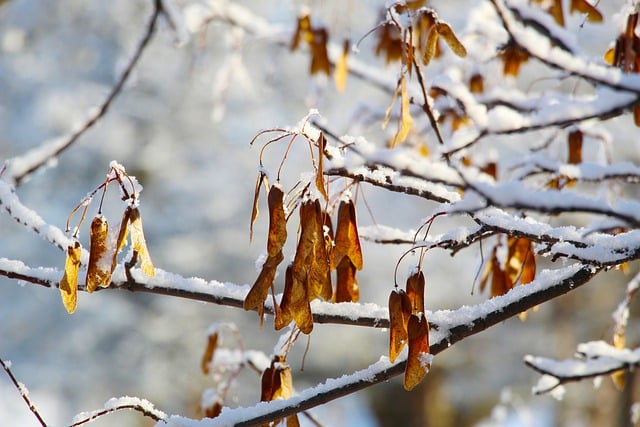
11,204
454,326
541,47
593,359
23,166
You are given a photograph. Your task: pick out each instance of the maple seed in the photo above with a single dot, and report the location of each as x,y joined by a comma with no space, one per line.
418,360
69,282
347,289
445,31
277,222
277,383
258,293
347,242
122,236
397,325
207,357
415,292
98,272
342,69
575,146
139,244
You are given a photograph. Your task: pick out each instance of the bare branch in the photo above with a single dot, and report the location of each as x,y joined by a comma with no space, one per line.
25,165
23,392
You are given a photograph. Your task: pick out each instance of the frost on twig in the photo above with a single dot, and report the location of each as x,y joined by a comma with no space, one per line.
593,359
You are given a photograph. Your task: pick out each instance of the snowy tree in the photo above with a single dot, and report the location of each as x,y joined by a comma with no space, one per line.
423,169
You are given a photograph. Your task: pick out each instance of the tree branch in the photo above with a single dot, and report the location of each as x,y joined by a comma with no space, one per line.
28,163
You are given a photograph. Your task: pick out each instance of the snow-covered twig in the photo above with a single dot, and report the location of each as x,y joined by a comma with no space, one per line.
120,404
23,392
23,166
455,325
595,359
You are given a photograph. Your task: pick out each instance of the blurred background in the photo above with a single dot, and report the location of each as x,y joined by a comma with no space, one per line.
182,125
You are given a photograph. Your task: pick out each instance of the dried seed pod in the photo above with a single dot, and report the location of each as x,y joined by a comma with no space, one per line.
139,244
99,268
69,282
419,359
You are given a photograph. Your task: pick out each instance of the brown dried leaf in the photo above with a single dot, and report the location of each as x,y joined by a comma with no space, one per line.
347,289
445,31
418,361
415,292
574,141
405,116
397,324
214,410
390,42
207,357
322,142
476,83
347,242
254,209
521,262
342,69
302,31
319,56
582,6
295,299
320,268
283,318
69,282
99,269
555,10
139,244
512,58
431,46
258,293
277,221
500,283
122,236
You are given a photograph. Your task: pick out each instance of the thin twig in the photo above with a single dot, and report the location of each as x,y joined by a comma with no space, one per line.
23,393
104,107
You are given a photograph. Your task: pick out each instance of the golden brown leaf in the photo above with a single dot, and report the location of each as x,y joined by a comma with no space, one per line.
207,357
512,58
295,303
405,116
445,31
99,269
415,292
398,319
254,209
122,236
277,222
347,289
319,56
390,42
347,242
277,383
214,410
139,244
500,283
258,293
574,141
342,69
582,6
322,142
302,31
418,361
521,261
476,83
431,46
556,11
69,282
319,279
